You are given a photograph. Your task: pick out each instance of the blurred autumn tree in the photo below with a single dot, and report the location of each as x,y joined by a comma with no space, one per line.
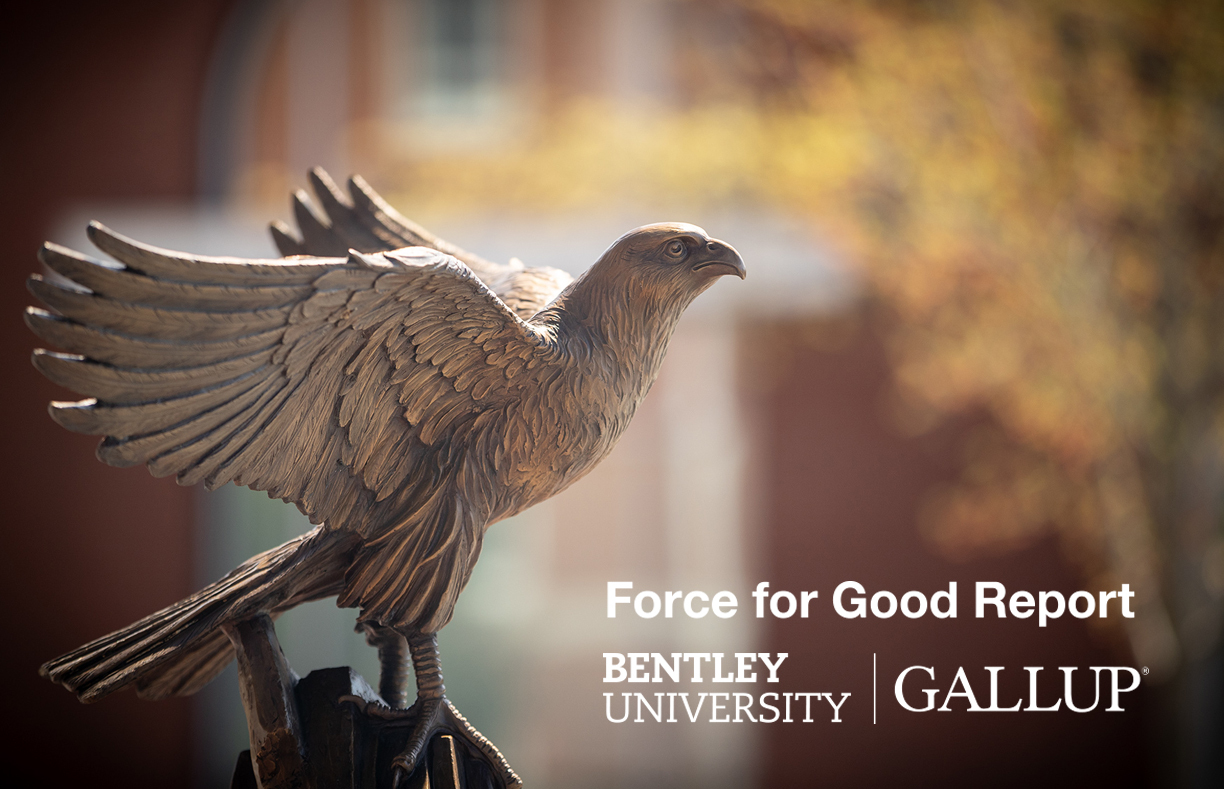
1040,206
1033,192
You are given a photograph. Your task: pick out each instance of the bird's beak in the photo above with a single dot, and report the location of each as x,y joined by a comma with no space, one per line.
719,259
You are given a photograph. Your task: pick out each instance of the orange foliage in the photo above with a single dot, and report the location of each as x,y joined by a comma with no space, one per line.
1034,192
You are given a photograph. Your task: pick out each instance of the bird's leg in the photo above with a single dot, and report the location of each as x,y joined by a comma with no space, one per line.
431,713
435,714
392,661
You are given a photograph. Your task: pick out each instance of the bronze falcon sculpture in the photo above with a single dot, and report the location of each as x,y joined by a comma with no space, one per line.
403,393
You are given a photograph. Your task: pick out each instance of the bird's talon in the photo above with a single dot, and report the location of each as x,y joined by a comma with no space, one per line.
400,775
375,708
433,716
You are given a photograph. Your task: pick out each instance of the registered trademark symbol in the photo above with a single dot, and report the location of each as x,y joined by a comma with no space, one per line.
1145,671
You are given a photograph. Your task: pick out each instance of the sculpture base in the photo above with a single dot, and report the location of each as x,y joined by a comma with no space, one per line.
345,747
319,732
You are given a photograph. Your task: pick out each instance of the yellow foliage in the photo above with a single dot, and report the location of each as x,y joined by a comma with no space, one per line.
1035,191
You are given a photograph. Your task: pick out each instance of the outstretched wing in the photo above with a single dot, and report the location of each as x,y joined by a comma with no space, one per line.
344,385
362,220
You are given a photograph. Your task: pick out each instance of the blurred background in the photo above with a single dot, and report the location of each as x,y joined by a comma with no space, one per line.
979,340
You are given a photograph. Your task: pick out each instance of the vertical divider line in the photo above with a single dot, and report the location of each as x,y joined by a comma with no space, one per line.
873,688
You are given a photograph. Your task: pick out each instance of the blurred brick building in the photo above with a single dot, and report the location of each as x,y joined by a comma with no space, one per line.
765,452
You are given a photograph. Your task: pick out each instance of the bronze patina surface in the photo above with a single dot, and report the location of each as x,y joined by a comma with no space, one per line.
403,393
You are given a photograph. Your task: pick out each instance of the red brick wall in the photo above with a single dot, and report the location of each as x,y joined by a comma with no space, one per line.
842,492
99,101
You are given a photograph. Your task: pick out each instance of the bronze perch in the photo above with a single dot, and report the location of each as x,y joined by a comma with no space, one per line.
403,393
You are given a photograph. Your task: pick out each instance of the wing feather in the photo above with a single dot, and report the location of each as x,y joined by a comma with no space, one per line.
117,348
101,418
129,285
364,221
318,237
165,324
125,385
181,445
352,386
173,266
347,220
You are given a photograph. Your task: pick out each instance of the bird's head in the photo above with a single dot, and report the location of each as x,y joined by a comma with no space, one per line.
639,287
669,261
672,257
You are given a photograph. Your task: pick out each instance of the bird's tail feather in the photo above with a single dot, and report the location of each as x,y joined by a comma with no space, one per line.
179,649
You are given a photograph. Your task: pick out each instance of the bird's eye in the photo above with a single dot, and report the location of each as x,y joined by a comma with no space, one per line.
676,249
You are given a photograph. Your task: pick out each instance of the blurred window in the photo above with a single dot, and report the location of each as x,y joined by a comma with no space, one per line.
454,49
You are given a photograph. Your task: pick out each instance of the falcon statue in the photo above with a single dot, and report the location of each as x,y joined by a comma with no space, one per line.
403,393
